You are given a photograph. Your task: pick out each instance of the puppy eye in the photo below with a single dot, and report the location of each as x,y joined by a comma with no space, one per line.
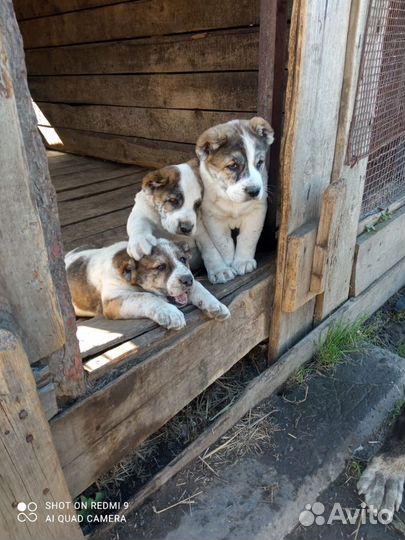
259,163
174,202
161,268
233,167
183,260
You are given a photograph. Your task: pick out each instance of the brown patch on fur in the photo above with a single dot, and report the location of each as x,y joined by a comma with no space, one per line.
126,266
112,308
149,276
84,295
163,185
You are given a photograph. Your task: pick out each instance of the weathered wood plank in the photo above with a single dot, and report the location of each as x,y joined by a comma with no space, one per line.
341,254
162,54
377,251
94,226
226,91
86,179
98,334
101,239
47,397
100,430
162,124
134,150
26,10
269,382
29,465
30,290
138,19
65,363
101,187
318,41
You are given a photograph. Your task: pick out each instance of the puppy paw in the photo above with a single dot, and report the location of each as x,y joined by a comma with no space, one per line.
221,275
382,483
243,267
170,317
141,246
215,310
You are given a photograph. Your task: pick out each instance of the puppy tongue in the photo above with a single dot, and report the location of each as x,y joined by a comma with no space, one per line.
181,299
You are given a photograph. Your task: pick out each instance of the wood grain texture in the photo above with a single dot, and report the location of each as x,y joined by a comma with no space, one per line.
177,125
97,432
138,19
26,9
377,251
226,91
160,54
341,254
29,466
145,152
317,42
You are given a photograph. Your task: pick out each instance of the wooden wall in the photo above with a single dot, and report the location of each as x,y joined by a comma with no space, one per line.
151,74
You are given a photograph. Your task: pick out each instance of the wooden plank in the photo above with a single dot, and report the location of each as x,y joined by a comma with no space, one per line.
47,397
138,19
317,42
267,39
94,226
134,150
226,91
298,267
26,10
161,124
94,434
161,54
267,383
30,290
341,254
98,334
101,187
29,465
101,239
372,220
377,251
86,179
89,207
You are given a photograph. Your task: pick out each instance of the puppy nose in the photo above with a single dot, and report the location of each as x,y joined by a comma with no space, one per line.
186,279
252,191
186,227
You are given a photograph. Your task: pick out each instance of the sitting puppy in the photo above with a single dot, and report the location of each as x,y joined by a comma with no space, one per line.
168,205
108,282
233,171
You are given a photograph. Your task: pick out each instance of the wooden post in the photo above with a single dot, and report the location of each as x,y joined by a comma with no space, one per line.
30,472
32,274
316,65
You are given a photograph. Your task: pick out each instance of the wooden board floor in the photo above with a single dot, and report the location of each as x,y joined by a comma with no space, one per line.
95,198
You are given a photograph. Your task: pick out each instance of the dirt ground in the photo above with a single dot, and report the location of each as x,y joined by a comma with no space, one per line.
278,436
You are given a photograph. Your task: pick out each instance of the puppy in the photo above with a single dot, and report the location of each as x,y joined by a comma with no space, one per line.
169,205
108,282
233,170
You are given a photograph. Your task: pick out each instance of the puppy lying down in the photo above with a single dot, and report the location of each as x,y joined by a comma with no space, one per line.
107,281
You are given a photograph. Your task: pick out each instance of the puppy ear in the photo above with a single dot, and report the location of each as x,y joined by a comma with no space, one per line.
209,141
128,271
262,128
155,180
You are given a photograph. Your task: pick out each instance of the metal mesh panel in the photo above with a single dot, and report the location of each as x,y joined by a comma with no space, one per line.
385,177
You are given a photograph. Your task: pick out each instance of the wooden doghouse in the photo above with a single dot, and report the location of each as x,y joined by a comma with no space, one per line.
121,87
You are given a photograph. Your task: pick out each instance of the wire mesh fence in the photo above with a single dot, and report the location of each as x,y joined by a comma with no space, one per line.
378,123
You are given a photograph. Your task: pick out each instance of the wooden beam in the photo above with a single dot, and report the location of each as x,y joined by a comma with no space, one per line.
269,382
377,251
30,471
29,10
317,42
267,39
160,54
138,19
221,91
94,434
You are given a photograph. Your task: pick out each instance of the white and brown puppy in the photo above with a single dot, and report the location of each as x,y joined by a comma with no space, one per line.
169,205
107,281
233,170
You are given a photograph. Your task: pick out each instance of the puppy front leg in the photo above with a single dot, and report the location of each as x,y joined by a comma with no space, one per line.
144,305
220,234
140,234
246,242
218,271
204,300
